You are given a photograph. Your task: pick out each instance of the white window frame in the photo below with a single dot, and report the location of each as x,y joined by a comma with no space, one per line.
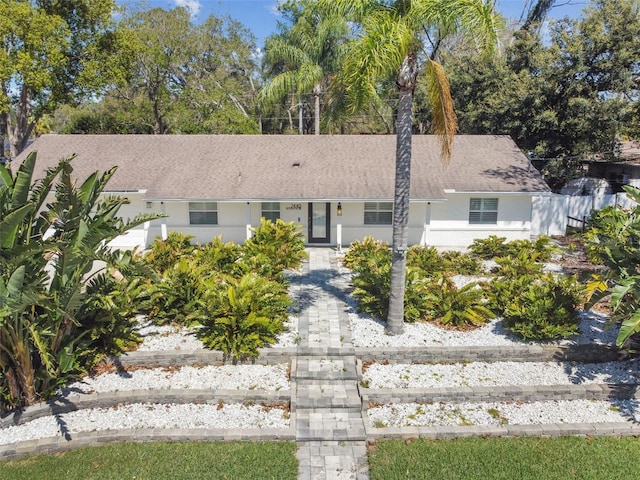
203,213
270,211
483,211
378,213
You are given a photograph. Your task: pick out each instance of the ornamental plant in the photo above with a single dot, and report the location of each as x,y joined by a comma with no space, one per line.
51,233
274,247
614,241
240,316
546,309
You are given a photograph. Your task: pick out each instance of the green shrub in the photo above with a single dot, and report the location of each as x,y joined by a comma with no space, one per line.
427,259
542,249
546,309
239,316
458,307
360,253
490,247
218,256
525,263
460,263
372,285
173,298
165,254
274,248
502,290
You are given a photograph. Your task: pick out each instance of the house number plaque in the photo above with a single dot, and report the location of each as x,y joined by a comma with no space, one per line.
294,206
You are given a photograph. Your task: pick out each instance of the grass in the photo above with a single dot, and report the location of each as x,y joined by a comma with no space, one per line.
529,458
160,461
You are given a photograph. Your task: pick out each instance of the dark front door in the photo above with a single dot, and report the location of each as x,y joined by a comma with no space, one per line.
319,222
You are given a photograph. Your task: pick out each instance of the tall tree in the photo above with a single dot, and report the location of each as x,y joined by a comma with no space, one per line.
181,78
565,99
302,57
51,52
394,38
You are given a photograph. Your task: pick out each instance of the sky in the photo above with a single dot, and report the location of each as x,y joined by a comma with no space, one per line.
261,16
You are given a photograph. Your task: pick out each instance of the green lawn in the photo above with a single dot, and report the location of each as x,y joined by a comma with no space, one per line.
508,459
159,461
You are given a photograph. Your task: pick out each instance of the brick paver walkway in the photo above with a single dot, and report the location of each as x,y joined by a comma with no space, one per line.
329,429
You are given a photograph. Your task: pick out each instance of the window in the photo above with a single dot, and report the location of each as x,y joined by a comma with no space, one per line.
483,211
203,213
378,213
271,210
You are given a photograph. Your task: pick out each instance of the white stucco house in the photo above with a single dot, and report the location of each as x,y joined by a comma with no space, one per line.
338,188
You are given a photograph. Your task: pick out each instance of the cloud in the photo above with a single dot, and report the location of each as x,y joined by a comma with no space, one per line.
193,6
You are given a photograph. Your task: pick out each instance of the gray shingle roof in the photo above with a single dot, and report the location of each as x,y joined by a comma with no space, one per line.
283,167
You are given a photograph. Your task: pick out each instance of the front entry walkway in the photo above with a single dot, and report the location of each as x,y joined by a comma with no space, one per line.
329,429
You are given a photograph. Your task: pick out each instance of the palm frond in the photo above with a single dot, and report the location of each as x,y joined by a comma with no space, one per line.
444,122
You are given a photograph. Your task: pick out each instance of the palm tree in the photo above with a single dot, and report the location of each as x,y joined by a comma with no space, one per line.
304,57
397,38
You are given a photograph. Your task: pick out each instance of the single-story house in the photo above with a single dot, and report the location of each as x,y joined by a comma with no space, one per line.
338,188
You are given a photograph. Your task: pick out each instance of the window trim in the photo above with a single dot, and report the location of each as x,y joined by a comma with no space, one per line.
486,214
206,208
378,213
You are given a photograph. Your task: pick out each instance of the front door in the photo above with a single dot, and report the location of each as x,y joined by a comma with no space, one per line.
319,222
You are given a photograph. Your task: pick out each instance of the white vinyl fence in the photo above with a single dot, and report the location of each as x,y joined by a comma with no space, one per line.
552,214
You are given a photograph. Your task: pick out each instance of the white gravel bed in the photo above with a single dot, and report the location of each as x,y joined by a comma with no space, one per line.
175,337
223,377
369,332
477,374
147,415
500,413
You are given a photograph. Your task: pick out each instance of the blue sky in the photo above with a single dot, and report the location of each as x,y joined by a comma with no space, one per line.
261,16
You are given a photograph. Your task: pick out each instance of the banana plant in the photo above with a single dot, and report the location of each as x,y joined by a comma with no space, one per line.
615,240
47,254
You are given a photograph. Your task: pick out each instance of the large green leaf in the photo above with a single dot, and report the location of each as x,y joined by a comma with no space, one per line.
11,223
22,183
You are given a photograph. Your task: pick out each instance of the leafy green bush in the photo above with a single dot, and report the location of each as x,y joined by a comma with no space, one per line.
499,291
218,256
614,241
372,285
274,248
239,316
460,263
165,254
546,309
173,298
459,307
360,253
494,246
427,259
490,247
525,263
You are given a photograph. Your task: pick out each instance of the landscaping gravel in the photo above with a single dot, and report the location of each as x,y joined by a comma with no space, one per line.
500,413
223,377
369,332
481,374
147,415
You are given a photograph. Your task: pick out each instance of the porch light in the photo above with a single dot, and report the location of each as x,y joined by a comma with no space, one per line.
339,209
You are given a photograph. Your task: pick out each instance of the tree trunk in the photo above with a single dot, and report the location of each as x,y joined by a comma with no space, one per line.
406,83
317,90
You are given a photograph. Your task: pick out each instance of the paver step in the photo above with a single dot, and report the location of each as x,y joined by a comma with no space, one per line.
330,368
335,424
331,459
318,395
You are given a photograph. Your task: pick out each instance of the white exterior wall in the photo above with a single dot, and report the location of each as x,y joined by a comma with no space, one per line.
441,224
450,226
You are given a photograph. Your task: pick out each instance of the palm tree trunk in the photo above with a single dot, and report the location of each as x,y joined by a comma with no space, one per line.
406,84
317,89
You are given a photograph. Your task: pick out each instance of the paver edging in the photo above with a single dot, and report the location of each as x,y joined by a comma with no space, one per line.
50,445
